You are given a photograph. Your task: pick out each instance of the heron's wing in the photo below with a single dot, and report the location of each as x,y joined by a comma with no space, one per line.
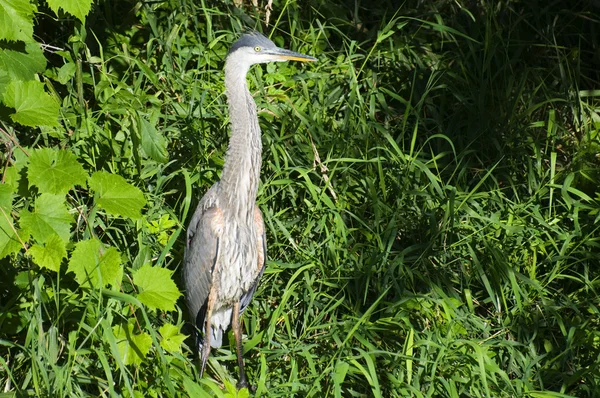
201,257
261,250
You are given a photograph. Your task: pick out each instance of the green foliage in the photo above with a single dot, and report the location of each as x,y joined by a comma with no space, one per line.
429,188
116,196
172,339
154,144
50,218
19,67
95,265
9,239
77,8
16,20
133,348
6,196
156,294
50,254
33,106
55,171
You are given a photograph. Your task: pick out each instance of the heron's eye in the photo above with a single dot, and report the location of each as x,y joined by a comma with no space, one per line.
257,49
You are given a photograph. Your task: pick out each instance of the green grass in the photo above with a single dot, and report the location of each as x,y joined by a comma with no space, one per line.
429,187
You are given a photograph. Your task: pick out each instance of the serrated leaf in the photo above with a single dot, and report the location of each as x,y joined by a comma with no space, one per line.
21,157
154,144
22,65
34,106
15,175
49,255
55,171
159,291
115,195
95,265
6,196
9,241
171,338
49,218
12,178
133,348
4,81
78,8
16,20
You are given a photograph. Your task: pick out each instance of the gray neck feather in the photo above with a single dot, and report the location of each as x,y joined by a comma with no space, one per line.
241,172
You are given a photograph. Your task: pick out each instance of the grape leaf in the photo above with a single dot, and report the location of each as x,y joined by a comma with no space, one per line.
16,20
94,264
51,254
159,291
9,241
133,348
4,81
116,195
49,218
15,175
6,196
171,338
55,171
22,65
34,106
77,8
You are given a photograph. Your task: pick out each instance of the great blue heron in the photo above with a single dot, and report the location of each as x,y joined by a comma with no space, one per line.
226,244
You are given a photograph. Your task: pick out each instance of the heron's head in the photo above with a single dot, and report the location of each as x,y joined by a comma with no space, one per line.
254,48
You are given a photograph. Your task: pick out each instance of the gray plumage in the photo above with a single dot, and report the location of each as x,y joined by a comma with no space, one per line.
226,245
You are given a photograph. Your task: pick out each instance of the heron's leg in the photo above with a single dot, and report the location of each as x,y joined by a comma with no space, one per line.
207,332
237,332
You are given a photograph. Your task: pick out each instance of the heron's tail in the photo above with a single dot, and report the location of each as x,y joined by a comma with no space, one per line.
216,339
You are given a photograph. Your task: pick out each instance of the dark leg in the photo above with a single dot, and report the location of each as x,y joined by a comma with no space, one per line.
207,332
237,332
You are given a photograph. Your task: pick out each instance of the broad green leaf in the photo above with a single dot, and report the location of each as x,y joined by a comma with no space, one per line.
171,338
4,81
55,171
6,196
49,255
159,291
22,65
115,195
12,177
34,106
50,217
77,8
95,264
133,348
9,241
66,72
15,175
153,143
16,20
21,157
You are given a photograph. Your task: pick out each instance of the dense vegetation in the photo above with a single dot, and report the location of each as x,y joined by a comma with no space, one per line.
430,189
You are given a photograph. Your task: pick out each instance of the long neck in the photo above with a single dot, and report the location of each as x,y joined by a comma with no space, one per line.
241,172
